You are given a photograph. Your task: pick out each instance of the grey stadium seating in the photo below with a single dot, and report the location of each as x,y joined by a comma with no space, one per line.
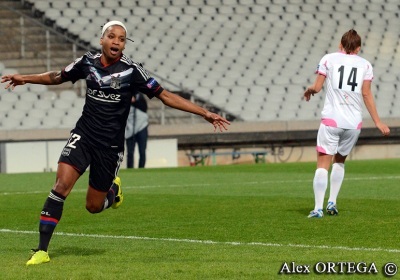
251,57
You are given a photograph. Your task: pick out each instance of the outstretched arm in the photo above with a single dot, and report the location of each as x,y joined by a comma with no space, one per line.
315,88
370,104
48,78
175,101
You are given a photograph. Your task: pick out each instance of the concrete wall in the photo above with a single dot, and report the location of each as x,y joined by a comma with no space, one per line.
40,156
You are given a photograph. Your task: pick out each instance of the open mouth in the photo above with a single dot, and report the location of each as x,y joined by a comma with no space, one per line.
114,51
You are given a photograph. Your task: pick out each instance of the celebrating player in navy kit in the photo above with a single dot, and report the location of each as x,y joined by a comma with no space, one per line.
98,137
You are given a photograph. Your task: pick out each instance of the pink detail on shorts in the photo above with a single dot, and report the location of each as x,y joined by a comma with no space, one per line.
321,150
329,122
359,126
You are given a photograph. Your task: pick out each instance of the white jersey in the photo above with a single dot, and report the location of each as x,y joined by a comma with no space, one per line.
345,74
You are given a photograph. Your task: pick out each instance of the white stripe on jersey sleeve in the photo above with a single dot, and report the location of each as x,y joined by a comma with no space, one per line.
139,67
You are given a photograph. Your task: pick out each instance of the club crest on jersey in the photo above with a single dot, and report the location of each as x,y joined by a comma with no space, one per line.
66,152
115,82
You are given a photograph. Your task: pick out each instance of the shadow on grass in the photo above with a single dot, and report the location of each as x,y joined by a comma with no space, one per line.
301,211
76,251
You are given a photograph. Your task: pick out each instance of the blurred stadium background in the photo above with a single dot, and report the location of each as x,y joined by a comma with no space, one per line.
249,60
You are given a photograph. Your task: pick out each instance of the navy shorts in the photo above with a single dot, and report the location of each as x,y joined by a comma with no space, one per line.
104,163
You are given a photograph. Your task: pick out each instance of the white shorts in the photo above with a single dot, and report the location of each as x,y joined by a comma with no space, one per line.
333,140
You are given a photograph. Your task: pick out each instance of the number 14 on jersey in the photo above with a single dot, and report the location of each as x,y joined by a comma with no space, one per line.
347,78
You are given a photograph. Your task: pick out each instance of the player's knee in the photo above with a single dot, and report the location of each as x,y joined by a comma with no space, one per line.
62,188
92,208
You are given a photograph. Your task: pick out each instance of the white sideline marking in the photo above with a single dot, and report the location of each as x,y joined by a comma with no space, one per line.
259,244
205,185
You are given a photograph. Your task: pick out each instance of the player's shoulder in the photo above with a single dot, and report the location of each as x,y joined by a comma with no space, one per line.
364,60
130,62
333,55
126,60
326,57
91,56
359,61
136,65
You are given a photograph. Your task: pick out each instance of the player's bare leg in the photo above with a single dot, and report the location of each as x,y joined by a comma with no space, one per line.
97,201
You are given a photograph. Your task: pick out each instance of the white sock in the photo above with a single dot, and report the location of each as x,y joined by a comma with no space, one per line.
337,176
105,206
320,184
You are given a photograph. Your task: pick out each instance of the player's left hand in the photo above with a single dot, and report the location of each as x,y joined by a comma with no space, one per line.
217,121
383,128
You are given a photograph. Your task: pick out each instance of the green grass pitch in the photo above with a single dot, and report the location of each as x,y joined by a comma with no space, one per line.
211,222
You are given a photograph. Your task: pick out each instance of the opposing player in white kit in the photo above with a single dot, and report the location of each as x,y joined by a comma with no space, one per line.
348,83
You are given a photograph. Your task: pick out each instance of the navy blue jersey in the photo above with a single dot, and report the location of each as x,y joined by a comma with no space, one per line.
108,96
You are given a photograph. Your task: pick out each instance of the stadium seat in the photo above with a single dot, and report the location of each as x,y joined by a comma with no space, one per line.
268,114
68,95
59,5
49,122
122,12
93,4
63,22
202,92
190,84
70,13
23,105
37,88
43,104
36,113
208,10
88,13
208,83
42,5
62,104
53,14
218,99
20,90
30,123
56,113
105,13
69,121
47,95
10,124
9,98
16,114
79,102
77,4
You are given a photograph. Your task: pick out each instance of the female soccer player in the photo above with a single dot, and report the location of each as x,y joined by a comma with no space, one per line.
348,83
98,137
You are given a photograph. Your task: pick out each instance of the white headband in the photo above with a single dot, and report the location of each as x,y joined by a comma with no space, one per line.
110,23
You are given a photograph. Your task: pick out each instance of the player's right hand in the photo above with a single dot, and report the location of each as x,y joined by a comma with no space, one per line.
308,93
14,80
